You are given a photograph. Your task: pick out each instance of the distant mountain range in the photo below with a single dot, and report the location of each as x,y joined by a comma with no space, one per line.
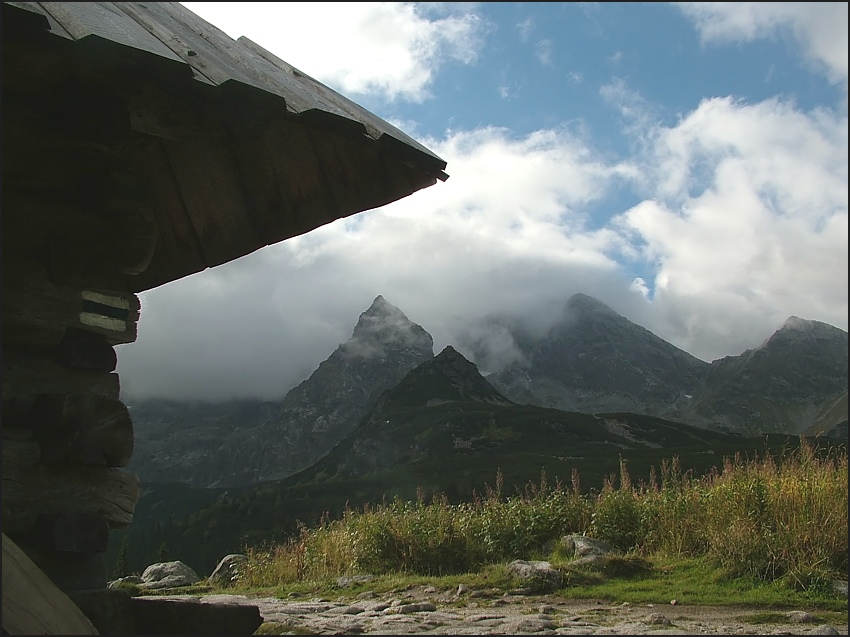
591,361
246,441
443,428
594,360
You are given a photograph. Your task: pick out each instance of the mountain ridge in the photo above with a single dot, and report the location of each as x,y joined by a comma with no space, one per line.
442,429
592,360
269,440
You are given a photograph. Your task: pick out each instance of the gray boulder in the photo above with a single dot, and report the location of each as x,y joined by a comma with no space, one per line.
229,569
130,579
582,546
168,575
587,551
536,576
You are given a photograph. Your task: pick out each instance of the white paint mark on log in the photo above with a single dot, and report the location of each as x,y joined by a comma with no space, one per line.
103,299
103,322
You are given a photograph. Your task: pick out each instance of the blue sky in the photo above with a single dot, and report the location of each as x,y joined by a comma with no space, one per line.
684,163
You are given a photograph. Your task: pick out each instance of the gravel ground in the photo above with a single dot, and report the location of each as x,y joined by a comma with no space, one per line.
427,611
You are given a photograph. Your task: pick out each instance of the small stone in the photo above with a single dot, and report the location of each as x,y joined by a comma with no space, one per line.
801,617
673,602
417,608
657,619
824,629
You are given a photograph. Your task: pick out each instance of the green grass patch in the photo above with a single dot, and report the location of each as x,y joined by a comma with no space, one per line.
766,617
198,589
693,581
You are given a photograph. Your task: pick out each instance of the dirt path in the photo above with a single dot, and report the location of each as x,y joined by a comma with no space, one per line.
427,611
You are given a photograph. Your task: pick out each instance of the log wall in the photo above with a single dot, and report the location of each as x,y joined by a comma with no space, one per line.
76,228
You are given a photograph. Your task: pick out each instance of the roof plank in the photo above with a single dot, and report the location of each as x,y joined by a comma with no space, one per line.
106,21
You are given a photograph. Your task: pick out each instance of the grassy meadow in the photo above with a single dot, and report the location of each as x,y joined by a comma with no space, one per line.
768,531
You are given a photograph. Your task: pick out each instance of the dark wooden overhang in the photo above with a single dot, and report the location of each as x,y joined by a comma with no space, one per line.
140,136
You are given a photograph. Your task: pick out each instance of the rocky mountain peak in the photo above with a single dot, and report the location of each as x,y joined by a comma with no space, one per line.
803,335
583,304
383,325
450,359
786,384
595,360
795,323
447,377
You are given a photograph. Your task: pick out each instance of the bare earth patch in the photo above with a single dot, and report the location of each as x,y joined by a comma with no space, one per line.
427,611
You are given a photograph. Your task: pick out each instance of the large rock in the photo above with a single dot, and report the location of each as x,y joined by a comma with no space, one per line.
536,576
583,546
129,579
168,575
587,551
229,569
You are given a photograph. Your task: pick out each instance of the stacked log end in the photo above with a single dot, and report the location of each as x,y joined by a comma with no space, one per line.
77,226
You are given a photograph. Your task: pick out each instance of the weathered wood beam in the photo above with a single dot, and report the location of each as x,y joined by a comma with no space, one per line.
30,490
30,306
83,428
26,375
69,571
86,350
72,533
32,604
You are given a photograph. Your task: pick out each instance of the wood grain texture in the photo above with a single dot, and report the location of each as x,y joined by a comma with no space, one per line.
32,604
31,490
83,428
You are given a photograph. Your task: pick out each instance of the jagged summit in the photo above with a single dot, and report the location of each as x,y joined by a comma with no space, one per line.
795,323
803,333
780,386
587,304
385,325
451,357
447,377
270,441
595,360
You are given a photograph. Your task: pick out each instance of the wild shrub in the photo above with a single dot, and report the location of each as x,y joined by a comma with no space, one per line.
769,518
674,512
617,513
782,519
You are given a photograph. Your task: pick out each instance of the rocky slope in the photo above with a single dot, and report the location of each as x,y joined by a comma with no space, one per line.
441,429
446,427
794,383
244,442
594,360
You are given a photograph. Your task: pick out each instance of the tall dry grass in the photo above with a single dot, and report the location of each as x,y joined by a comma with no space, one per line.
767,517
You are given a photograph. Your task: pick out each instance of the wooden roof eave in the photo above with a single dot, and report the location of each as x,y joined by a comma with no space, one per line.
294,153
